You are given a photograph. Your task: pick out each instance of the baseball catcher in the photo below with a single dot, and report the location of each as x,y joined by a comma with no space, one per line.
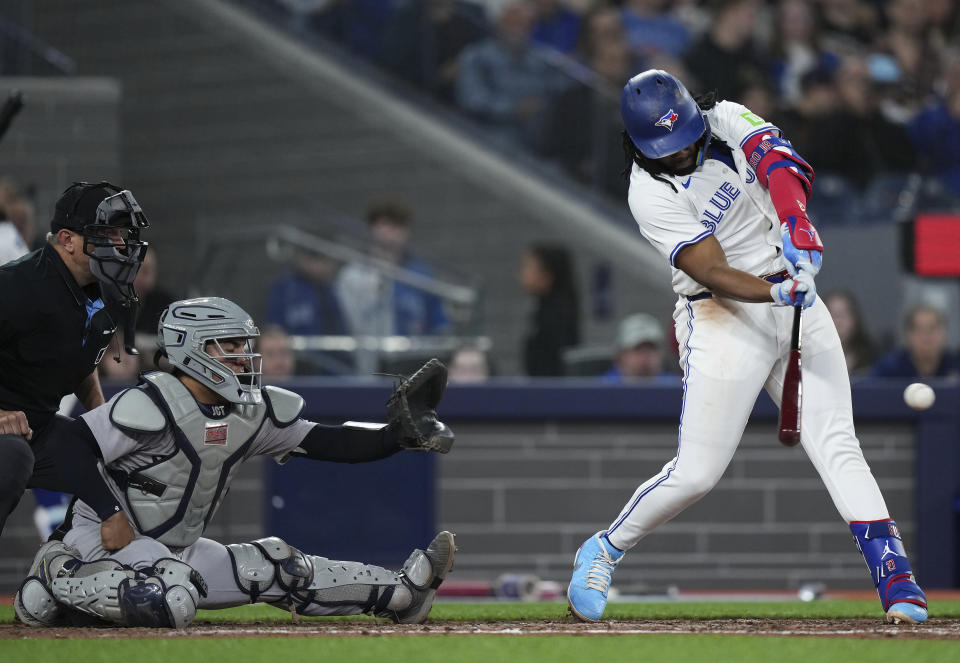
168,450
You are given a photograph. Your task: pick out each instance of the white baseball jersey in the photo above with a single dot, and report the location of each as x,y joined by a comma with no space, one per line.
730,350
715,200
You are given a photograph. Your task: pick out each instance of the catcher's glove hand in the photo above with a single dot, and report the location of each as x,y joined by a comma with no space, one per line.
411,410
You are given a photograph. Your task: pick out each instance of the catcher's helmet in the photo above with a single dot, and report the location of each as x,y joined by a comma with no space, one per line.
660,115
110,220
190,328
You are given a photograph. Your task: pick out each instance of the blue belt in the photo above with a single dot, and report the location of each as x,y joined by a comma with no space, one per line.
779,277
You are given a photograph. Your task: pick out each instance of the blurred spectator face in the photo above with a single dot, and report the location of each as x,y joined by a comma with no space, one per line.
852,85
604,26
468,365
278,357
126,370
907,15
639,352
389,234
22,214
316,267
843,317
796,21
926,335
514,25
758,99
146,279
737,19
612,62
534,277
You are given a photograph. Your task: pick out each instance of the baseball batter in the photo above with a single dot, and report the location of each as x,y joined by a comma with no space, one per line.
169,449
721,194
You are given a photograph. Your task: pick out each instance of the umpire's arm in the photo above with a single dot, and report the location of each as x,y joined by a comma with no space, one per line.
89,392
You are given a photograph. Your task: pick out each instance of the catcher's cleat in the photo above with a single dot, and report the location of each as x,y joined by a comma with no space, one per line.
422,573
906,613
593,569
34,603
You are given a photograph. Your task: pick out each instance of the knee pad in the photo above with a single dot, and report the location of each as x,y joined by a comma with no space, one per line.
164,595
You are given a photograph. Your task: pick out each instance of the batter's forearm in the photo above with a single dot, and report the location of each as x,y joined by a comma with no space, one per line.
89,392
725,281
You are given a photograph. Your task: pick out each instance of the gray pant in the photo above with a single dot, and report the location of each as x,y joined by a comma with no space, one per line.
206,556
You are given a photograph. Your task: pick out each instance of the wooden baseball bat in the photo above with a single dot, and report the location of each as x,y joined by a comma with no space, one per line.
790,404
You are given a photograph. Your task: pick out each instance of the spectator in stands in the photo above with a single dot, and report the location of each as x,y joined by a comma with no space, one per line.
602,24
425,40
935,131
469,365
372,303
639,350
554,25
848,319
726,58
584,126
16,222
279,360
505,81
915,58
796,49
547,274
652,30
849,26
304,300
153,300
925,353
854,139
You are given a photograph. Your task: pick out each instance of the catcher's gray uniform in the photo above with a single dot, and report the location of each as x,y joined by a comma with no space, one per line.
169,461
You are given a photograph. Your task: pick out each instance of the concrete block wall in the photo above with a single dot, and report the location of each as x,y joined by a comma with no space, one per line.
522,497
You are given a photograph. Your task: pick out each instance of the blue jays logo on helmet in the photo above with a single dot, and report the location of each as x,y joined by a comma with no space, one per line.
655,100
667,120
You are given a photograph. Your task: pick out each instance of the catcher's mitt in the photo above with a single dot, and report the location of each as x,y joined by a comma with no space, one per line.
411,409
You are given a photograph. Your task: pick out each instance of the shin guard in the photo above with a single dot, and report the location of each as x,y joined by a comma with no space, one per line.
882,549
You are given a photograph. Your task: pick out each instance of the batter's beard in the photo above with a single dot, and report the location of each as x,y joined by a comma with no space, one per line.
687,170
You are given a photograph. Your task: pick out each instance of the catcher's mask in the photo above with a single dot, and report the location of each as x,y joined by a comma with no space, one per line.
110,220
200,336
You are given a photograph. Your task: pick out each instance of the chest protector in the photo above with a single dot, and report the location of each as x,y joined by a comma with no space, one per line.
173,499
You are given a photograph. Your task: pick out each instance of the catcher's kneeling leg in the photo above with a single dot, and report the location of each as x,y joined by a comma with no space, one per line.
272,571
164,595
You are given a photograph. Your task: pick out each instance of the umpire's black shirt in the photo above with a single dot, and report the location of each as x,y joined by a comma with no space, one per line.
53,333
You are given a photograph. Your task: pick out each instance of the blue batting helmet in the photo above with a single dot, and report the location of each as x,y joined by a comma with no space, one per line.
660,115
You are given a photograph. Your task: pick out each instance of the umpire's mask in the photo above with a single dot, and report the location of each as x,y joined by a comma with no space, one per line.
110,220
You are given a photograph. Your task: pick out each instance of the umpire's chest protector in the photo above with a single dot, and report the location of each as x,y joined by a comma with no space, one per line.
173,499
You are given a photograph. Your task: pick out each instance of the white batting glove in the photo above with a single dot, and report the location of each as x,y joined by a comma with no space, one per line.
797,291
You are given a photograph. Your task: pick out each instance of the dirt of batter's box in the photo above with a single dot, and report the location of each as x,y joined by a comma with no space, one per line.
934,629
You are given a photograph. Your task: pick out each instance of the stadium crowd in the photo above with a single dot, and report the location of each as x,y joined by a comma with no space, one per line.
867,90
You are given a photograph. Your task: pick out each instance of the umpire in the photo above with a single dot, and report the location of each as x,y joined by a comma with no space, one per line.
55,327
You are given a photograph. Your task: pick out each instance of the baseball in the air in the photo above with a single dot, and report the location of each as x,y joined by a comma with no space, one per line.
919,396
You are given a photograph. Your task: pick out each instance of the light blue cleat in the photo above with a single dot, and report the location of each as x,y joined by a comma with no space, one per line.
593,569
907,613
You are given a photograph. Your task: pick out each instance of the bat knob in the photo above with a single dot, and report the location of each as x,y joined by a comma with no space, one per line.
789,438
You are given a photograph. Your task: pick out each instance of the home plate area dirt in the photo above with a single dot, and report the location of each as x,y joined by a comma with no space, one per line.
934,629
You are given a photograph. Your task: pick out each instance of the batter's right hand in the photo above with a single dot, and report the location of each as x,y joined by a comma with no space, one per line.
797,291
115,532
14,422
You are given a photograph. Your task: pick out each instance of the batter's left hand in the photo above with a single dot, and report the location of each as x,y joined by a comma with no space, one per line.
801,246
116,533
797,291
